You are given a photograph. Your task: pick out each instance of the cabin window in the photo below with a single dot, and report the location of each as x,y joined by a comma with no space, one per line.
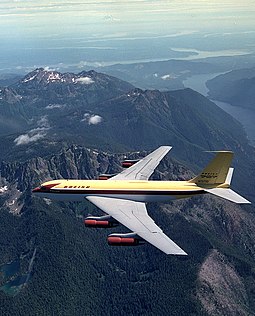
65,186
88,186
70,186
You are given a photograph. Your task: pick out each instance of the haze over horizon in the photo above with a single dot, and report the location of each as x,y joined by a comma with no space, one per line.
98,32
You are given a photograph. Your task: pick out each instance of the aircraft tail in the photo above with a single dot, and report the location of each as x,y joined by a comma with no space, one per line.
216,172
216,178
228,194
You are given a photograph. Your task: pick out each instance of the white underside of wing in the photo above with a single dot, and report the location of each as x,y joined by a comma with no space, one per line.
134,216
228,194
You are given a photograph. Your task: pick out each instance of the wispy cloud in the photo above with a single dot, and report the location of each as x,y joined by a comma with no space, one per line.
169,77
84,80
55,106
34,134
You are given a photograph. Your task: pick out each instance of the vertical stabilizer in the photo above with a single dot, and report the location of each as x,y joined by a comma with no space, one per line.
217,171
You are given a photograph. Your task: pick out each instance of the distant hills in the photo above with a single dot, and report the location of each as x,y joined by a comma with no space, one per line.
102,111
236,87
161,75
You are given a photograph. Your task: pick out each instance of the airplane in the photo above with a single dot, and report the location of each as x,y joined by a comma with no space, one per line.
123,197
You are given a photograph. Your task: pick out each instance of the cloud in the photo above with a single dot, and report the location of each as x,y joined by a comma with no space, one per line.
92,119
84,80
34,134
43,122
95,119
28,138
48,68
55,106
169,77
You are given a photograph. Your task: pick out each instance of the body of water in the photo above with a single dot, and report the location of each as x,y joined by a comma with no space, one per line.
245,116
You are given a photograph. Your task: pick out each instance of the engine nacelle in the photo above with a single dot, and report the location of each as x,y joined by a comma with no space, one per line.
100,221
129,162
106,176
129,239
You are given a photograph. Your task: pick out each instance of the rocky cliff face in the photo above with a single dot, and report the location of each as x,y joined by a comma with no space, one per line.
224,276
221,289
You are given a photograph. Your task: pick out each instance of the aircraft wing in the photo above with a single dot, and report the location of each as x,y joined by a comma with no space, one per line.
144,168
134,216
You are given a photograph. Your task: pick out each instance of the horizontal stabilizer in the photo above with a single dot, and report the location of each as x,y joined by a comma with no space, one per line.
228,194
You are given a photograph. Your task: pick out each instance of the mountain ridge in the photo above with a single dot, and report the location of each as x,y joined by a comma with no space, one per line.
72,134
235,87
66,248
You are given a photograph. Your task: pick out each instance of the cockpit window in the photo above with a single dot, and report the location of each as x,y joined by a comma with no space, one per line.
47,187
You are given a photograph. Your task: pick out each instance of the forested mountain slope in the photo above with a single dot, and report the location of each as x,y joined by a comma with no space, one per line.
236,87
77,126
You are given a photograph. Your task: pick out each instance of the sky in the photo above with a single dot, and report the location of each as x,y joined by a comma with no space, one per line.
101,25
122,18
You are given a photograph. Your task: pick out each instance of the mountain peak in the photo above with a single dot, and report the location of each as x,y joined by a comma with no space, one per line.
45,76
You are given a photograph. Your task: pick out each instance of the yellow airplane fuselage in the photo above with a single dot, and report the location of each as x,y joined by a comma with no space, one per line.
141,191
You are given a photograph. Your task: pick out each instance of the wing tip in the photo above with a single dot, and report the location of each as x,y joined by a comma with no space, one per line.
180,253
182,257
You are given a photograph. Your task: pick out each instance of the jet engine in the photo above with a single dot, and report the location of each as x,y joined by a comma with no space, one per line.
100,221
106,176
129,162
129,239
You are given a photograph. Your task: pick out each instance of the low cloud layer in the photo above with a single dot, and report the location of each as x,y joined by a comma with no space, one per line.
92,119
169,77
34,134
30,137
84,80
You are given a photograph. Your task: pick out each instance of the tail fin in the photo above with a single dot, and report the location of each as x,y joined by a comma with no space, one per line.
216,178
217,171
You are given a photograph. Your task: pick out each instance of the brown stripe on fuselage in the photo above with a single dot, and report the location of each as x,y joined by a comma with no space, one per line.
123,192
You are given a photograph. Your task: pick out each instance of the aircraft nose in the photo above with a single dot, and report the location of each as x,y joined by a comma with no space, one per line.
37,189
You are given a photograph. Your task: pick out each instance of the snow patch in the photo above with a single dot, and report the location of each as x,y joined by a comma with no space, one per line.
54,77
3,189
29,79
